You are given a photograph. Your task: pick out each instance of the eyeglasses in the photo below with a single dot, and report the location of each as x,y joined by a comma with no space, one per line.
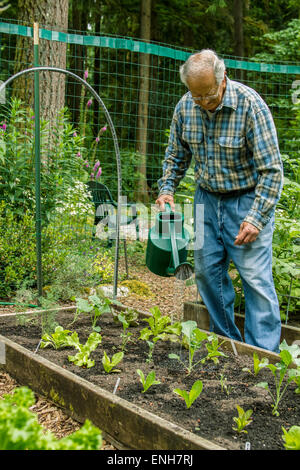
206,97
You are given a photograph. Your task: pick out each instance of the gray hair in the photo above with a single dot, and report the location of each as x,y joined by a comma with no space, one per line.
200,62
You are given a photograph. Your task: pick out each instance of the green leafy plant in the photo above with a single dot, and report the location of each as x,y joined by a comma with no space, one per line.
193,338
148,381
212,345
60,339
224,386
192,395
258,364
82,358
109,364
20,429
242,420
291,438
282,370
160,328
94,306
126,335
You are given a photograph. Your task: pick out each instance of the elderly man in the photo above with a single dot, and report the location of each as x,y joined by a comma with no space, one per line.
228,129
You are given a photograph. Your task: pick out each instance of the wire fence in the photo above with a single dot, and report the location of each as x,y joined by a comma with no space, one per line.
139,84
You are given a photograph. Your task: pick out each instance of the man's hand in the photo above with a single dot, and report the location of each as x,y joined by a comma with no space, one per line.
163,199
247,234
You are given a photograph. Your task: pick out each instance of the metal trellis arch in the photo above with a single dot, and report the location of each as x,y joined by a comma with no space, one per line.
37,162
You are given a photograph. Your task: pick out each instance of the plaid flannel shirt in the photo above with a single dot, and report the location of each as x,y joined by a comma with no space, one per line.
235,150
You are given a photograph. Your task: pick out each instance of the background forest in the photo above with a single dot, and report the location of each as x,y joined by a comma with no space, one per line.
140,91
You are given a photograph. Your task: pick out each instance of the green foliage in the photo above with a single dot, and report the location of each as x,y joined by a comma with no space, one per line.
60,339
94,306
160,328
19,265
192,395
291,438
20,430
126,335
224,386
82,358
109,364
282,370
242,420
17,159
103,266
257,364
212,346
148,381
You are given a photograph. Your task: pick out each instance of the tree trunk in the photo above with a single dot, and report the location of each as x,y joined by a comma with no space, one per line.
49,14
239,49
142,120
77,58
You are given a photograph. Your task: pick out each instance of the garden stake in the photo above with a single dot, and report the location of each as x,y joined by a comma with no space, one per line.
37,348
234,348
116,386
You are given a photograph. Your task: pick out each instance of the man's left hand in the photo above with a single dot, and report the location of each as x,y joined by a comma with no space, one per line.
247,234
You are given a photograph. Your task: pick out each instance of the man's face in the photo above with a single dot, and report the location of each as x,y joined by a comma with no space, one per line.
205,91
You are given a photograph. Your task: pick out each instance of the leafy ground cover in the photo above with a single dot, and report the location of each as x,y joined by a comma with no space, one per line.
226,383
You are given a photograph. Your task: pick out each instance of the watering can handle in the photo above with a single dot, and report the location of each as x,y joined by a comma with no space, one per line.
168,207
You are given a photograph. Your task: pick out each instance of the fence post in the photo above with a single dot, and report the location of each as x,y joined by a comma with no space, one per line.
37,161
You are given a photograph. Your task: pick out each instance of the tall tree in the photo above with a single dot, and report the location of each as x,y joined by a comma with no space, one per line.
142,120
49,14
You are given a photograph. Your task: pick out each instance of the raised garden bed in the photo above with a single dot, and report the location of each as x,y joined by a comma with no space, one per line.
157,419
198,312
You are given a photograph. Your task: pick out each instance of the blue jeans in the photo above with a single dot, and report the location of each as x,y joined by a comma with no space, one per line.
222,220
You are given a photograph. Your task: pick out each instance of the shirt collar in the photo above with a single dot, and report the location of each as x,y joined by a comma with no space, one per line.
230,96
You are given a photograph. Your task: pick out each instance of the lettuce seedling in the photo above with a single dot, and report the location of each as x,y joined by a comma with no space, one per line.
212,347
242,420
148,381
82,358
126,335
59,339
257,364
160,328
110,364
281,370
193,338
291,438
190,397
94,306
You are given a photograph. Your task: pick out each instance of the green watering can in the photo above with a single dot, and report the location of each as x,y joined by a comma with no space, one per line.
166,248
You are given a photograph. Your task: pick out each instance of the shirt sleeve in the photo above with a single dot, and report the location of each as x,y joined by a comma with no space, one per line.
262,139
177,158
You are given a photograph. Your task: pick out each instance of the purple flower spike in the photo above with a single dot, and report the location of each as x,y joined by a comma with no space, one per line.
75,134
97,139
86,74
102,130
97,164
92,175
99,173
89,103
78,154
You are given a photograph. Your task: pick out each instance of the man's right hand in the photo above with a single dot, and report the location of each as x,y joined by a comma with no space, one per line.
163,199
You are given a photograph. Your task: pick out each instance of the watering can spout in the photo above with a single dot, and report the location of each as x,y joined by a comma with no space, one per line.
167,246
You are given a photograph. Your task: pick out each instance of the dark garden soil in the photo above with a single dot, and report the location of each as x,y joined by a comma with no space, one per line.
210,416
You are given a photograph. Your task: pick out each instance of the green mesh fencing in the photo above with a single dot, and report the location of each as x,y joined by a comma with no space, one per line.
139,84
